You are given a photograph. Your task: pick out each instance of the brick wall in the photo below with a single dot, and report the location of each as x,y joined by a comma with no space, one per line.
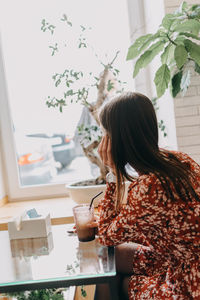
187,108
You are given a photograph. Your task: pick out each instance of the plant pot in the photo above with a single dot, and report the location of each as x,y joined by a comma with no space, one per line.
84,194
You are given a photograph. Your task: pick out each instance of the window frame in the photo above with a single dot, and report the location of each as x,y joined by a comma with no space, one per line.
9,156
12,182
7,145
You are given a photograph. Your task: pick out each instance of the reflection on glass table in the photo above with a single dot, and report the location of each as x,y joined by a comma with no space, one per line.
32,247
60,260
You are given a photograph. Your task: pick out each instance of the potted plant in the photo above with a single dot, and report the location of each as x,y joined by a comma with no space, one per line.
177,43
77,90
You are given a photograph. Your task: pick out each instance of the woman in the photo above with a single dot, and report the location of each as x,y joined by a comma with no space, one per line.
162,210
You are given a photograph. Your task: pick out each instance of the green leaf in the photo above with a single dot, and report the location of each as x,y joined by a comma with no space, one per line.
176,83
194,50
57,82
190,35
148,56
183,6
162,79
69,93
164,56
190,25
83,292
110,85
195,14
179,40
167,21
180,55
176,22
135,49
168,54
195,7
185,81
197,68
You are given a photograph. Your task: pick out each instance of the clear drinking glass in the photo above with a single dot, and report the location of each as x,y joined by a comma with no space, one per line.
83,216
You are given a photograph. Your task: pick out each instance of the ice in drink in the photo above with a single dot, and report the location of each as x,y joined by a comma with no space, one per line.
83,216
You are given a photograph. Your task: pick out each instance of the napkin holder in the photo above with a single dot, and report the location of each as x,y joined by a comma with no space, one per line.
29,226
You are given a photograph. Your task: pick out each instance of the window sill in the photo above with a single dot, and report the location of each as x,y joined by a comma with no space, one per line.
60,210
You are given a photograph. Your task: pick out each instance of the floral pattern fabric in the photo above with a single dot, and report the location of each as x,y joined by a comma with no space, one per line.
166,263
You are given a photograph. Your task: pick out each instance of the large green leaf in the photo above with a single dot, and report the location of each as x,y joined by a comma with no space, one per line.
165,54
183,6
148,42
176,83
176,22
185,81
180,55
195,7
167,21
195,11
194,50
179,40
190,25
148,56
134,50
190,35
140,62
162,79
168,54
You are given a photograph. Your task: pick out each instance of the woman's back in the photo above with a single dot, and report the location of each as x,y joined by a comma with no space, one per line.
168,228
162,212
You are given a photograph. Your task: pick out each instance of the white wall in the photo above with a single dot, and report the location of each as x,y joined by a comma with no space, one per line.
3,190
2,182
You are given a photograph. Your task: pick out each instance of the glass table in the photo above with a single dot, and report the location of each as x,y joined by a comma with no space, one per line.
59,260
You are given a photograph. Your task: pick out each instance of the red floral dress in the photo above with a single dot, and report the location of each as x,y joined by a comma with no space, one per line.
166,265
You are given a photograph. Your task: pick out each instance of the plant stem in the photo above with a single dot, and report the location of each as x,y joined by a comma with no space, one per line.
171,40
110,64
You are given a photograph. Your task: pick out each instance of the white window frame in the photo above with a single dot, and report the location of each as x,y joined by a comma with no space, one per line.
9,156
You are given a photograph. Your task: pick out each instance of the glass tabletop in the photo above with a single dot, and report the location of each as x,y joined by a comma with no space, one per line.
59,257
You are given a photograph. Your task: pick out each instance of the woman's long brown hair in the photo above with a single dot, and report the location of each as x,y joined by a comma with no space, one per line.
131,123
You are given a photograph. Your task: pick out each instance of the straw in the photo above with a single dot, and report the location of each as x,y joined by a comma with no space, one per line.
94,198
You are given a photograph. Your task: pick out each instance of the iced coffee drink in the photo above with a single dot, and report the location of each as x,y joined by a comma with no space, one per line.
83,216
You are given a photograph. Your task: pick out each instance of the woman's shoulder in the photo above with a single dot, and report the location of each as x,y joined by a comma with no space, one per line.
179,154
186,158
143,182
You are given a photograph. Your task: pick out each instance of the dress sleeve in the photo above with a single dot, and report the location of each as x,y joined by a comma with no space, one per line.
115,228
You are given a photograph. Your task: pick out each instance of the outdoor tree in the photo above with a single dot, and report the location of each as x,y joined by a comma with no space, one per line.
177,43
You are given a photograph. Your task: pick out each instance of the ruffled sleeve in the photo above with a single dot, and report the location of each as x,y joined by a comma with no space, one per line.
116,228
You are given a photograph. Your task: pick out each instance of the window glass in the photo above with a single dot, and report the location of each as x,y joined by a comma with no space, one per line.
46,150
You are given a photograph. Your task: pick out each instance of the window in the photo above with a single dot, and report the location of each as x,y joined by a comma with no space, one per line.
38,143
